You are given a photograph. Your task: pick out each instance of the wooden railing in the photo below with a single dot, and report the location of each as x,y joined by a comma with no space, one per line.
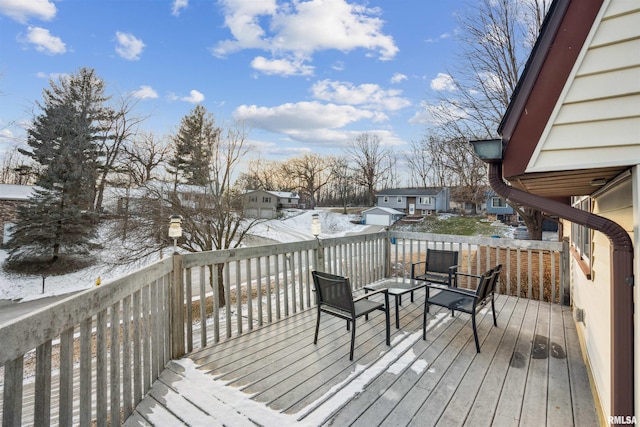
91,357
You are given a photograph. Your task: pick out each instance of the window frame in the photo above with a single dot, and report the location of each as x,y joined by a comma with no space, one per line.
582,237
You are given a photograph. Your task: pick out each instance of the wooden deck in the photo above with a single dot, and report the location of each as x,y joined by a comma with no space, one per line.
530,372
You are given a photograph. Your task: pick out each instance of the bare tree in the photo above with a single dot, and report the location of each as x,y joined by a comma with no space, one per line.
311,171
142,156
266,175
495,38
342,181
122,126
17,168
370,162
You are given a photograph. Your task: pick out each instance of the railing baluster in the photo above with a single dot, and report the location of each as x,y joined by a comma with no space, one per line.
65,407
227,299
268,277
202,294
114,378
12,402
101,369
136,310
146,346
259,283
42,404
188,294
85,371
249,303
127,381
276,266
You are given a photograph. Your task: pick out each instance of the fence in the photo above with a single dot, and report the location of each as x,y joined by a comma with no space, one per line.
90,358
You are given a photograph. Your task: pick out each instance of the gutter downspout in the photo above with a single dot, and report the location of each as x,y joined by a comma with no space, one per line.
622,335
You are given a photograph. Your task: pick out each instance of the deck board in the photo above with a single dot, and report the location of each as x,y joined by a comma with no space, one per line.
437,381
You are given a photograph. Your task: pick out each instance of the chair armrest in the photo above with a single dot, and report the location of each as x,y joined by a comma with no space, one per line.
367,295
465,292
413,267
477,276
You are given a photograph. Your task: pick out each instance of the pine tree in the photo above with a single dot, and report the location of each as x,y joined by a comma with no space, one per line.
194,144
59,216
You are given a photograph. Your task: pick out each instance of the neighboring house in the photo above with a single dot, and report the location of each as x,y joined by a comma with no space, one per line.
11,196
118,200
266,204
381,216
571,147
415,201
498,209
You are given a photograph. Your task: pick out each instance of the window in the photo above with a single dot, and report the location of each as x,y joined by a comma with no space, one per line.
399,199
581,235
266,199
498,202
253,198
425,200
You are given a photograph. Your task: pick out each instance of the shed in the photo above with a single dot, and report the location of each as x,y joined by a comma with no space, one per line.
381,216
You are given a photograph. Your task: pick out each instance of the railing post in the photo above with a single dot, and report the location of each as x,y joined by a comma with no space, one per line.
387,253
318,256
565,287
176,315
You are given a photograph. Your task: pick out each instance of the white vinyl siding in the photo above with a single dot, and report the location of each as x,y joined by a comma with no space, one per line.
597,120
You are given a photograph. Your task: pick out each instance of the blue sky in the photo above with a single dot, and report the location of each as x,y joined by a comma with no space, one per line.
307,76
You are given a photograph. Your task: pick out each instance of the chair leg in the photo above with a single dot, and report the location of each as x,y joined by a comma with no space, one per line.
386,315
424,320
353,339
397,312
493,309
475,332
315,339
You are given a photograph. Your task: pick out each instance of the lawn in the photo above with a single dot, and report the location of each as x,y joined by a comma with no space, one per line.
460,226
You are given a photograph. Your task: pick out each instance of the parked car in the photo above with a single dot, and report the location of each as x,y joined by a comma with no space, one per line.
521,232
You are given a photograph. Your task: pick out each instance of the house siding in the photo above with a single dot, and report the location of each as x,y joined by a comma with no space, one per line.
596,123
594,295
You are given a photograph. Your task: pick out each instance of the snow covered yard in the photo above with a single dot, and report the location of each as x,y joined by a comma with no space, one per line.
295,227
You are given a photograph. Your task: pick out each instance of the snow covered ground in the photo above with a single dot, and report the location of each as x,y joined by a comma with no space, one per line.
296,227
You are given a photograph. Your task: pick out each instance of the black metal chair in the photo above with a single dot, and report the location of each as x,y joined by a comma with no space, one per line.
465,300
334,297
439,267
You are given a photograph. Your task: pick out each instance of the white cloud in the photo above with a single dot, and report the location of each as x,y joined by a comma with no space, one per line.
366,95
313,122
444,82
194,97
299,29
22,10
282,67
301,115
145,92
437,114
129,47
6,135
440,37
44,41
178,5
398,77
52,76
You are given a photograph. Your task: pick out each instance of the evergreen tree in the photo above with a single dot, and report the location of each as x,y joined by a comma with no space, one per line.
194,144
59,216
